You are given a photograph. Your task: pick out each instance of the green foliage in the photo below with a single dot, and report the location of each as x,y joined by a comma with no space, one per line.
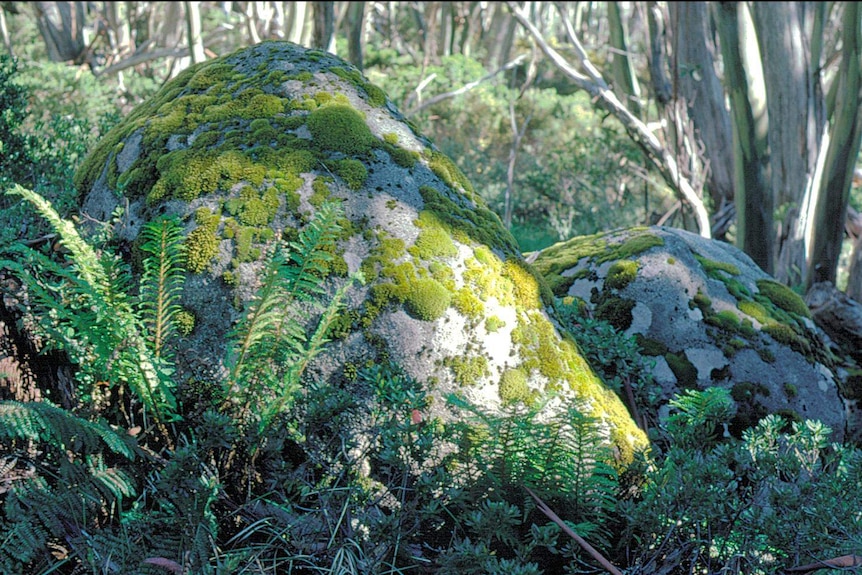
161,280
84,308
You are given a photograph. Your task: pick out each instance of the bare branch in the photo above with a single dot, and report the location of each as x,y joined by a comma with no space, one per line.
595,85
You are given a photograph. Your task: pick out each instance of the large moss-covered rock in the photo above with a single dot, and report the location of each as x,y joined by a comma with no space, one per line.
707,316
245,148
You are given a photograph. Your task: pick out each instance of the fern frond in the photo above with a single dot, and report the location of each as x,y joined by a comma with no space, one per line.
43,422
312,253
162,279
89,311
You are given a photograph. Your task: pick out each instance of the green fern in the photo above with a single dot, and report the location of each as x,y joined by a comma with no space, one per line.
162,279
45,423
272,347
84,307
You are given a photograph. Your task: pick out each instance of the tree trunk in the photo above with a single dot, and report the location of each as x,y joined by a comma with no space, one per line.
785,32
193,28
323,36
61,25
625,82
356,33
4,31
827,225
296,21
699,87
748,110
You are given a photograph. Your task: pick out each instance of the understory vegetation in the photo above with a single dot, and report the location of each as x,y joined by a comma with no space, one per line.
125,469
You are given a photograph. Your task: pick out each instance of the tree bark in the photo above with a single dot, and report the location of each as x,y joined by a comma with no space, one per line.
625,83
193,29
356,33
61,25
844,128
747,103
323,36
700,89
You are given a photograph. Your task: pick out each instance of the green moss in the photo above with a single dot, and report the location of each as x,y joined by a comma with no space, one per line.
202,243
683,370
433,241
319,191
447,171
184,321
755,310
427,299
790,390
468,370
616,311
783,297
352,171
556,259
702,302
468,304
476,222
514,387
390,138
493,324
340,128
713,267
621,274
401,156
526,287
650,346
783,333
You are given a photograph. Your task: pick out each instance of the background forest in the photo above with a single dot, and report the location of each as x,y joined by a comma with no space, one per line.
738,121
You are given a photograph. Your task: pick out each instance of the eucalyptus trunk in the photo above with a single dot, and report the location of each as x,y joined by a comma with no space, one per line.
745,86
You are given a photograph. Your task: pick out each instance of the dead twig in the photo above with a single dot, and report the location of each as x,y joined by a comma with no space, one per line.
543,507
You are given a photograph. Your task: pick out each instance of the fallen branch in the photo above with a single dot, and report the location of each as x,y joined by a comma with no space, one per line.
843,562
543,507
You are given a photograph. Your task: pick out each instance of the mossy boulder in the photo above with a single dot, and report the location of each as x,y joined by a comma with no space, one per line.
245,149
707,316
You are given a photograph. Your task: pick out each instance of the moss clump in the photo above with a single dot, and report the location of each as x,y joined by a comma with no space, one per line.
514,387
713,267
468,370
340,128
702,302
621,274
352,171
468,304
401,156
527,289
493,324
649,346
556,259
475,222
783,333
783,297
683,370
755,310
390,138
433,240
616,311
447,171
790,390
427,299
319,191
184,321
202,243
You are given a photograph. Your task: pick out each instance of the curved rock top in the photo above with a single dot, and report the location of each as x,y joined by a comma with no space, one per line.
247,147
708,316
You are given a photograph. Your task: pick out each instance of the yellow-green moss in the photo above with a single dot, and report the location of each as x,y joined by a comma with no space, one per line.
755,310
783,297
477,222
468,369
184,321
202,243
390,138
493,324
514,388
558,258
468,304
527,289
340,128
621,274
427,299
320,191
713,267
433,240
